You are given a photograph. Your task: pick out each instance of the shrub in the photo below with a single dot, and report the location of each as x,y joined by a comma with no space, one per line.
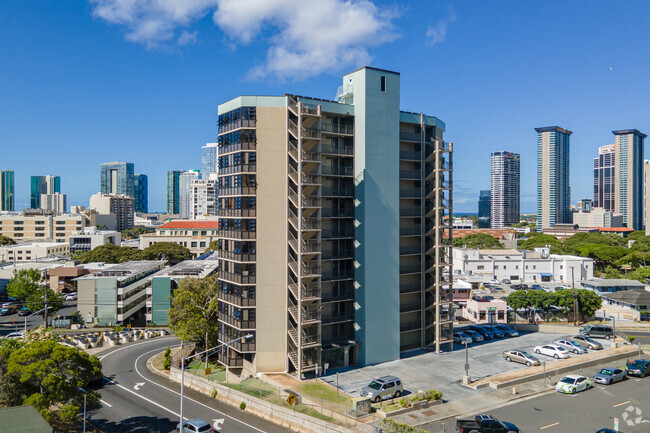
167,362
630,338
242,405
214,395
392,426
554,318
402,402
433,394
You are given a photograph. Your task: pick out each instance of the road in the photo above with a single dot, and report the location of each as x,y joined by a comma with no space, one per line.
15,322
585,412
136,400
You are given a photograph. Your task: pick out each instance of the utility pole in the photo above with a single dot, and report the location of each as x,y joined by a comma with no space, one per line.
575,299
45,310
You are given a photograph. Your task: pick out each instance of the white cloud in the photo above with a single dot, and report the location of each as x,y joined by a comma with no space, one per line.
437,33
304,37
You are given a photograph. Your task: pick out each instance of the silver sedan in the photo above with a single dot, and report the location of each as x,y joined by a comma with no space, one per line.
609,375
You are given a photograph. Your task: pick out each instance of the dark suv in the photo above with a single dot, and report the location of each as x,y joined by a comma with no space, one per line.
640,367
598,331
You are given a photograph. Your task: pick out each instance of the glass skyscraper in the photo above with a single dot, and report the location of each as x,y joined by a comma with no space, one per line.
6,190
505,195
117,178
43,185
208,160
553,188
141,187
484,209
604,177
629,176
173,191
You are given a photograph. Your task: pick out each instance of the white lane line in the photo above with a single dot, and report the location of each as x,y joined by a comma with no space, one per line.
621,404
104,403
187,398
550,425
144,398
131,345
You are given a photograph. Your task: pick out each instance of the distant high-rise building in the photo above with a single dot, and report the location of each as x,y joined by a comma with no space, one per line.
553,188
7,189
185,182
118,206
505,189
604,177
646,195
117,178
43,185
629,177
141,189
203,197
208,160
55,203
173,191
484,209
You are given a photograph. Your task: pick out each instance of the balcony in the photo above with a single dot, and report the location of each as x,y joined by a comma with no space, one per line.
236,234
237,257
337,234
410,307
337,275
410,174
410,288
408,251
237,191
236,124
336,150
235,278
410,231
306,271
408,212
409,155
330,319
239,324
306,202
241,168
337,171
332,213
307,293
337,192
410,136
338,255
410,193
237,213
337,129
237,147
238,300
409,269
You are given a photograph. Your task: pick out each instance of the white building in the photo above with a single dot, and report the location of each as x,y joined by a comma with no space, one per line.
92,238
55,203
597,217
115,211
33,251
193,235
537,266
184,190
459,224
203,197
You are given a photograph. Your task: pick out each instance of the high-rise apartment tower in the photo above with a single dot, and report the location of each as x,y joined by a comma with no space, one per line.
484,209
43,185
7,190
505,189
553,188
334,228
628,193
605,178
141,192
173,191
117,178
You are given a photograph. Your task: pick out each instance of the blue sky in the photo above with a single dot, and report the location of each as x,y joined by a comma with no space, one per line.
89,82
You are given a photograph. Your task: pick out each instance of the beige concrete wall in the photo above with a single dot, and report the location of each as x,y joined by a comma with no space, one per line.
86,298
271,297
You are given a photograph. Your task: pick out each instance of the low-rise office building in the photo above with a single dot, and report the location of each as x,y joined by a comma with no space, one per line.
486,312
165,282
92,238
193,235
116,295
33,251
603,286
115,211
40,225
597,217
537,266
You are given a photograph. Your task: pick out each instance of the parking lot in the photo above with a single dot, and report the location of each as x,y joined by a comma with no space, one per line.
444,371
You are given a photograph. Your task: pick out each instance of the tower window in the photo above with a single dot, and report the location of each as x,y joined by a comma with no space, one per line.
383,83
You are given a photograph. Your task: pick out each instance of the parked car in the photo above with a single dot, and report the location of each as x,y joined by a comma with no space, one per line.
495,281
598,331
558,288
462,338
9,310
589,342
71,296
535,287
521,357
573,383
24,311
508,331
570,345
485,423
640,367
383,388
609,375
485,332
553,350
524,286
195,425
506,281
475,335
19,334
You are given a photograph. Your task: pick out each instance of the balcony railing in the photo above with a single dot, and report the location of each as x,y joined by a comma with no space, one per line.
236,278
336,150
237,234
409,231
410,192
410,155
235,124
243,190
240,324
237,147
237,300
237,257
410,174
337,129
337,171
241,168
410,136
237,212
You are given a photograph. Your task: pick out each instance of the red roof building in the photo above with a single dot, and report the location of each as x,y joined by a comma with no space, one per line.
190,225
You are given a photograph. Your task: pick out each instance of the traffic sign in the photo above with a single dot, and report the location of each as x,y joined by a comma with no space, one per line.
208,371
291,399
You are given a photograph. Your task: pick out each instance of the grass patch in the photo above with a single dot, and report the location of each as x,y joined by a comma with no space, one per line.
325,392
389,406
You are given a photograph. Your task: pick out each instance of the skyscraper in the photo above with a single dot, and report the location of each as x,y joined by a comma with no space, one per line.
333,227
646,206
484,209
184,191
7,189
173,191
208,160
117,178
141,190
505,189
43,185
203,197
553,188
629,176
605,178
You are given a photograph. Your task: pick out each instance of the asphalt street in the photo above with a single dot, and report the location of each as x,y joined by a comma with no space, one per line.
14,323
136,400
585,412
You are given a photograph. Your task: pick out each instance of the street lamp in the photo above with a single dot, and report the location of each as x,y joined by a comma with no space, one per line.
33,314
212,351
466,361
84,391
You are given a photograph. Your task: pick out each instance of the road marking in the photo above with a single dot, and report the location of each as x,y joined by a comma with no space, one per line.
138,385
621,404
144,398
550,425
218,423
104,403
131,345
187,398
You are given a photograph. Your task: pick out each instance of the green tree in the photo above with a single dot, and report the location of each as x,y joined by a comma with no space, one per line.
538,240
5,240
47,375
578,240
193,312
588,301
603,255
478,240
170,251
110,253
135,232
212,246
26,286
520,300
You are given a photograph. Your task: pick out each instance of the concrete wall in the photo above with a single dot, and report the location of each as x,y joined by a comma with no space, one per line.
271,272
376,169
